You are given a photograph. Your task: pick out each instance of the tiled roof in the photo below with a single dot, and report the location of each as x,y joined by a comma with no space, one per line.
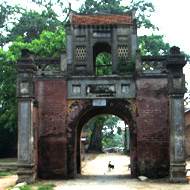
101,19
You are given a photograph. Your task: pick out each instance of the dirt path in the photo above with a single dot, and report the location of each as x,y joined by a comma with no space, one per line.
99,166
7,181
95,176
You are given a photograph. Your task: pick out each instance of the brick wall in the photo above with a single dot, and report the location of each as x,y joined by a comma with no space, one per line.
187,133
187,118
52,150
153,129
60,123
187,141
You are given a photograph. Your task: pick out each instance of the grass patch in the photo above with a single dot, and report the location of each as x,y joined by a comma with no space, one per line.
8,160
8,173
25,187
35,187
46,187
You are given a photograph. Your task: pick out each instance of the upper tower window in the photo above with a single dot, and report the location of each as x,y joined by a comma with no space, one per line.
103,64
102,59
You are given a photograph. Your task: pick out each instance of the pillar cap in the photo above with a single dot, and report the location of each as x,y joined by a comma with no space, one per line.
175,59
26,64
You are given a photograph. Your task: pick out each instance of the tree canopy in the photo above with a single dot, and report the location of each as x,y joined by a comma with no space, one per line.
103,130
153,45
31,24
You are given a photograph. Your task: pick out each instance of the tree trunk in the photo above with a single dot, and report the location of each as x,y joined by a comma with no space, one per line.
96,138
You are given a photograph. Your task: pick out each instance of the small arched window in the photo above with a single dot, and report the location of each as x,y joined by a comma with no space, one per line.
102,59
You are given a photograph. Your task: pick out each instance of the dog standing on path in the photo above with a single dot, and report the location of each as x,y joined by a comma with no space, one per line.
110,166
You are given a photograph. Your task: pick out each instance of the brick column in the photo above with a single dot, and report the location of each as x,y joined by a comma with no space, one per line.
176,83
25,94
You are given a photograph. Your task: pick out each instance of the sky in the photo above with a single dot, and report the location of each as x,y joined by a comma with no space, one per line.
171,16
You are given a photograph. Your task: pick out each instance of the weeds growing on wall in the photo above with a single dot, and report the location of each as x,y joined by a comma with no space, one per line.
126,66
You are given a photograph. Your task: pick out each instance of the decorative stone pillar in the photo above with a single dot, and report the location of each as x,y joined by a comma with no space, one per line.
138,64
176,87
63,65
25,94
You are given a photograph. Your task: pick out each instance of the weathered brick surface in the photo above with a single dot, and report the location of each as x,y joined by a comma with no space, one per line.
153,127
187,141
187,133
35,125
187,118
52,150
60,123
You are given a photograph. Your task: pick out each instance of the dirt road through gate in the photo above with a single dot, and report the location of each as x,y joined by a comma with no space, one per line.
96,176
99,166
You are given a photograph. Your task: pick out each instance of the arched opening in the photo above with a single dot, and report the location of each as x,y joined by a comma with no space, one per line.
118,108
102,59
104,146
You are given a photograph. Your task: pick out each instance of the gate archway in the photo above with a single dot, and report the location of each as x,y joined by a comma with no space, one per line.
120,108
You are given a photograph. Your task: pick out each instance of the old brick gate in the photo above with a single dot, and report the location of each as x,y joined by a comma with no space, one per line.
57,96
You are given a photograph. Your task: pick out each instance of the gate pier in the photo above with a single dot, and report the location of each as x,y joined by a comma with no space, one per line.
25,94
176,84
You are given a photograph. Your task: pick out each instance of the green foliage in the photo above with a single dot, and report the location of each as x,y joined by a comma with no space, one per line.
126,66
46,187
144,11
48,4
8,173
93,6
31,24
104,64
8,17
153,45
8,14
8,141
89,135
8,103
50,44
116,141
111,132
35,186
25,187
